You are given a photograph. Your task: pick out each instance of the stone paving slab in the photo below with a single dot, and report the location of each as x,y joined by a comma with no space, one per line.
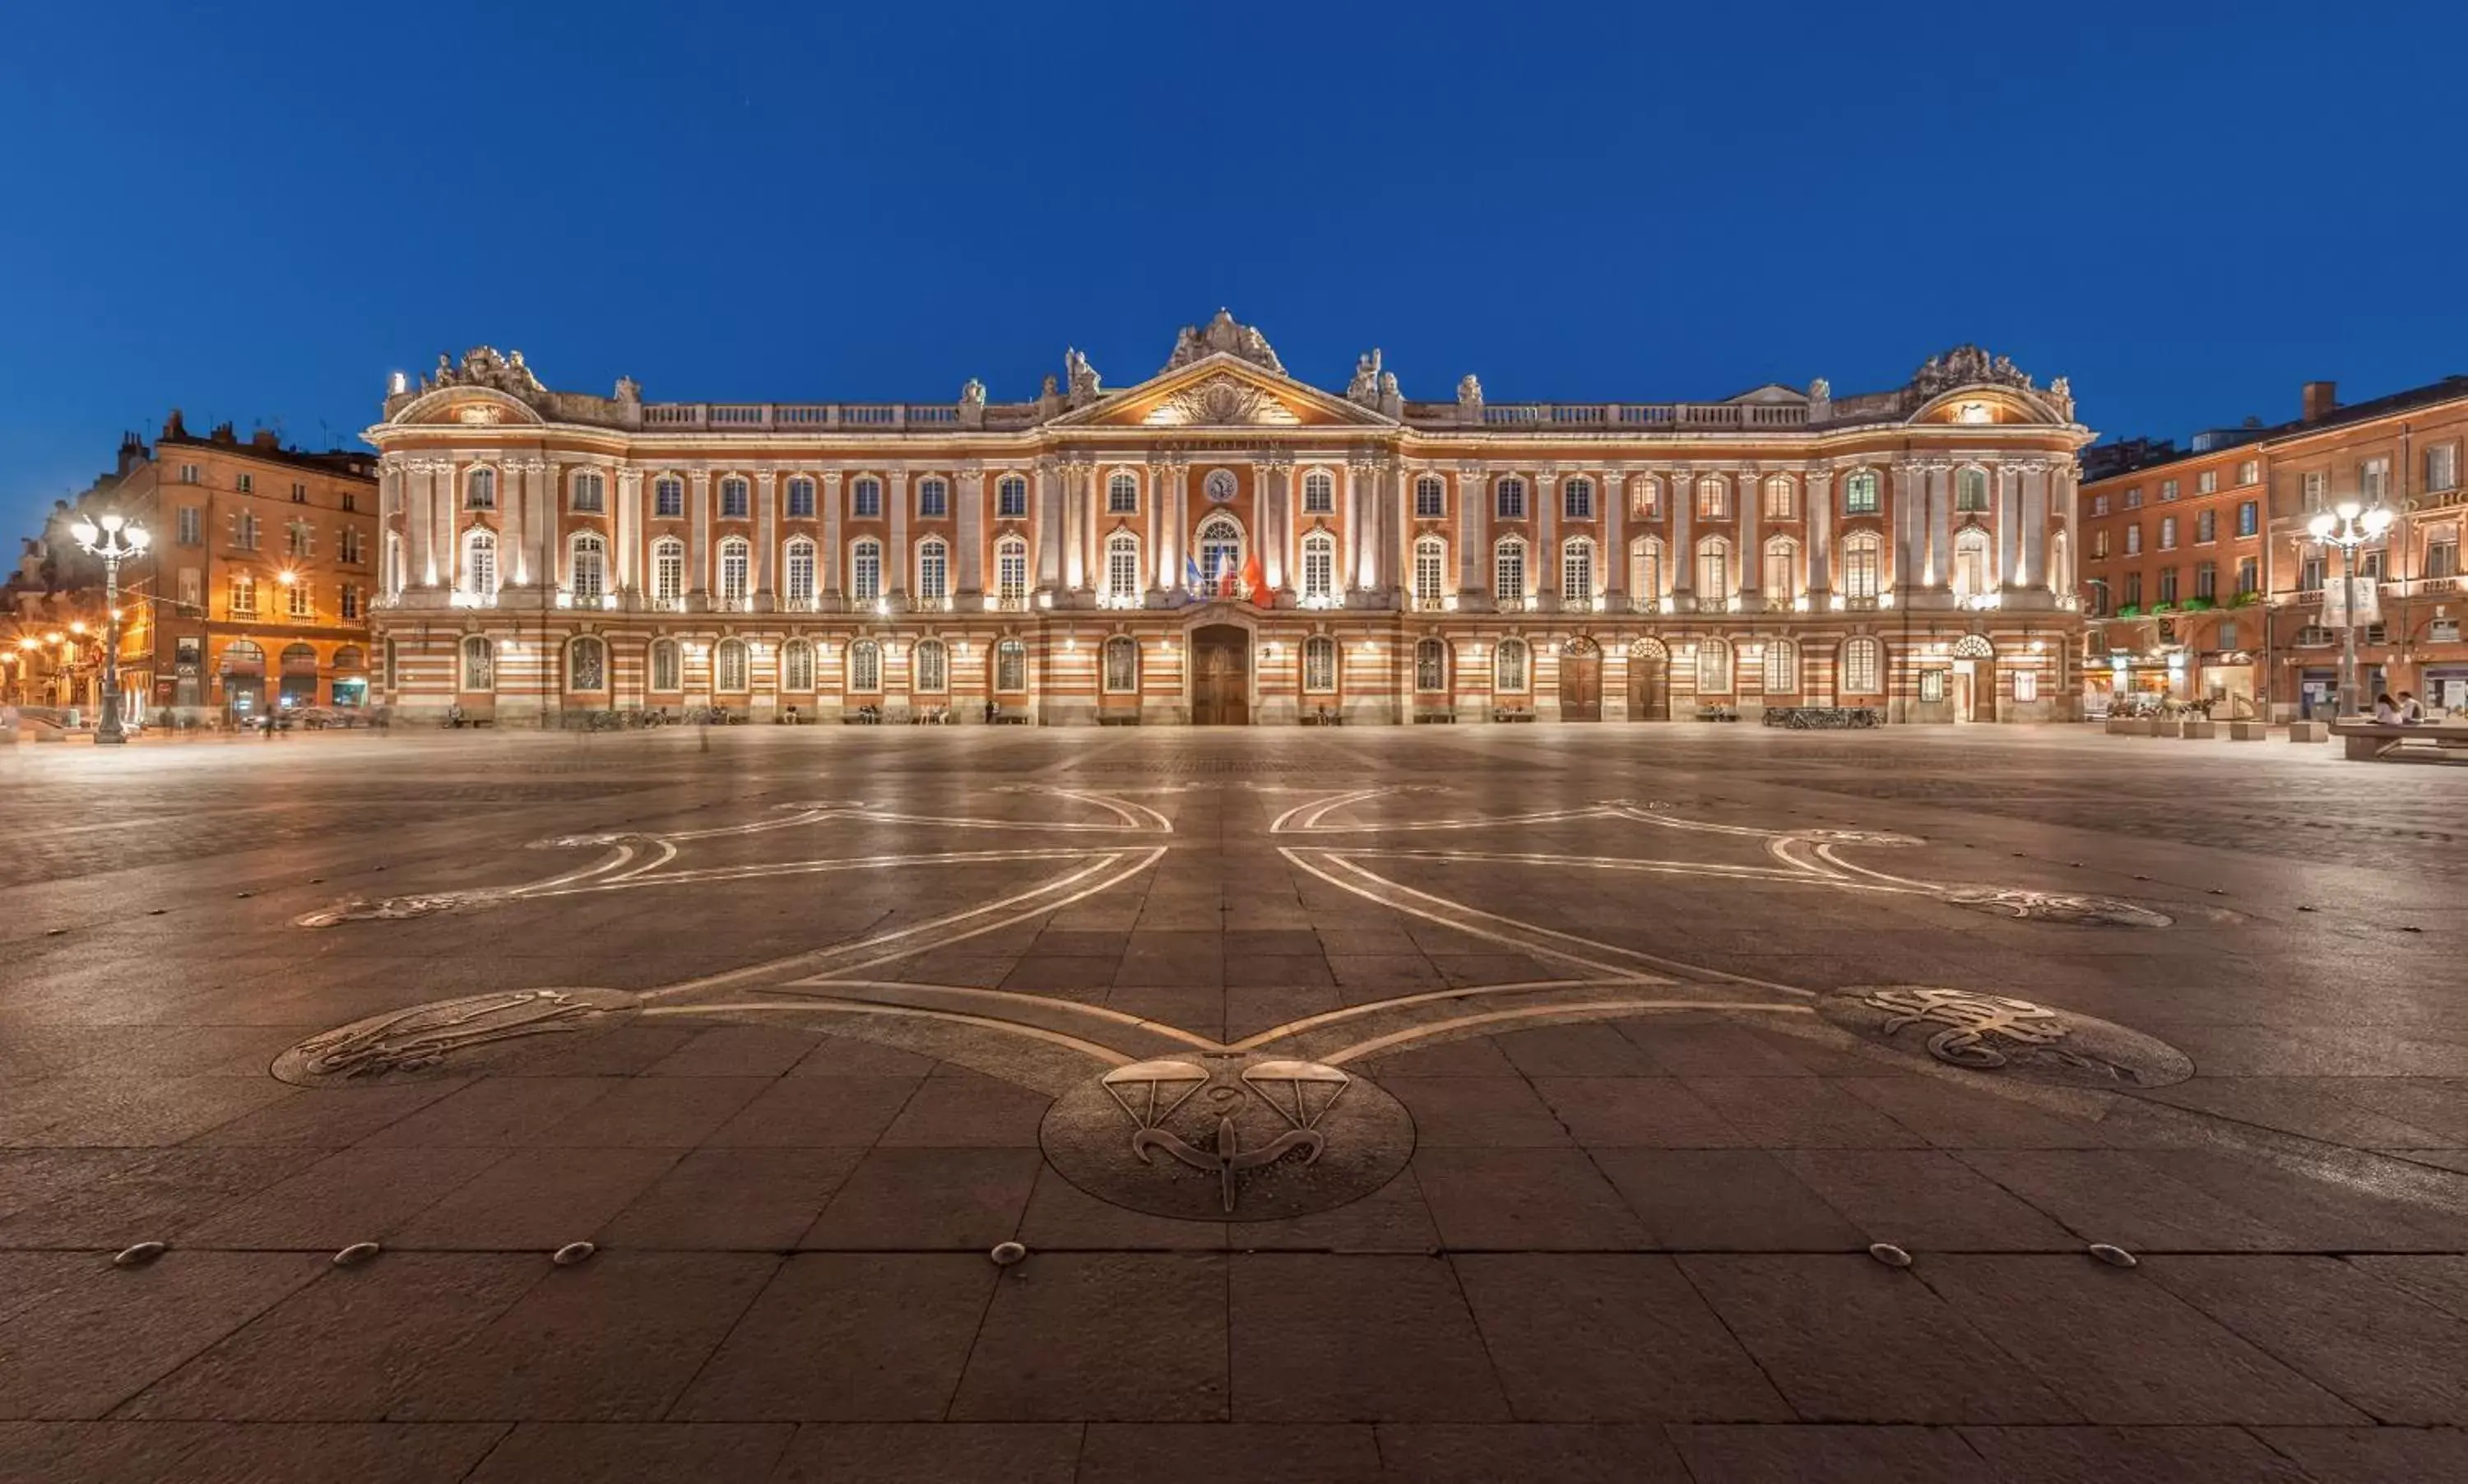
1637,1154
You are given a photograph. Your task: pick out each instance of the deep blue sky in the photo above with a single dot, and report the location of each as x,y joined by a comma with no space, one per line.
2187,207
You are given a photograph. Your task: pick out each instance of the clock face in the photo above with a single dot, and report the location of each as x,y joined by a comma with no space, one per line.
1220,485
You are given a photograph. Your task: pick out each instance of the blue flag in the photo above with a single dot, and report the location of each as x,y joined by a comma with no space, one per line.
1191,577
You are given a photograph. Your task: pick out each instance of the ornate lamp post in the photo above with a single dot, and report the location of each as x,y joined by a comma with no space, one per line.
114,539
2348,525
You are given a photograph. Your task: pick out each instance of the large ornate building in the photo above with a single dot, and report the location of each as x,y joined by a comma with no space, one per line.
1223,543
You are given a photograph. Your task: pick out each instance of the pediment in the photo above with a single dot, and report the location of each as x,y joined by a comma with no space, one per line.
466,406
1222,390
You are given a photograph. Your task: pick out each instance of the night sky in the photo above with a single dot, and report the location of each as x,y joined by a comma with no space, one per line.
2188,208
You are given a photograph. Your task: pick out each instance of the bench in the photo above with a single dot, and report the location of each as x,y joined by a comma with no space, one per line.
2378,741
1808,718
1716,713
1507,714
1435,717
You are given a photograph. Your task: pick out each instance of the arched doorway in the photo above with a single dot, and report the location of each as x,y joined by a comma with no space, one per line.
1648,681
1581,680
299,678
244,671
1973,688
1220,675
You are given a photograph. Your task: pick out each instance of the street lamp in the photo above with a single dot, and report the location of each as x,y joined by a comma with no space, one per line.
113,538
2348,525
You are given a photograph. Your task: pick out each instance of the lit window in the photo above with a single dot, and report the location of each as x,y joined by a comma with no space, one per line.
1860,666
1011,497
1010,570
1320,664
666,669
933,499
1123,565
1576,499
479,490
1508,666
1779,501
1713,498
1431,498
1430,568
797,573
1123,493
801,499
479,663
586,664
1319,567
667,571
796,665
1782,668
1508,573
1511,498
1122,665
1713,667
1649,574
865,570
669,498
1864,562
933,570
480,562
931,671
1319,494
1577,573
865,666
866,499
735,563
300,601
1431,665
728,666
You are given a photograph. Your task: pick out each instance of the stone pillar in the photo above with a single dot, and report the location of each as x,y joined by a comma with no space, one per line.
2034,534
1046,525
1940,527
766,538
1075,527
513,495
629,521
1614,548
896,560
1683,540
1276,543
1400,546
419,526
1820,496
1173,563
1474,540
1753,556
1911,514
2069,508
971,523
699,543
1545,584
832,558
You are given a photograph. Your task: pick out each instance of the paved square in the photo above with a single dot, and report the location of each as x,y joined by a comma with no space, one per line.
1415,1104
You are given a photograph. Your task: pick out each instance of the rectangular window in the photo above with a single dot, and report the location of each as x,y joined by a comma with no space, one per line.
1860,498
1576,499
2442,466
302,538
1931,685
2133,498
669,499
2249,517
350,606
735,500
2167,584
2250,471
2229,636
2312,484
2206,527
1011,573
192,588
192,525
2206,482
801,499
2026,685
2309,573
2167,490
2134,589
2369,566
866,501
1577,575
2442,557
1512,499
244,531
301,603
2206,581
299,493
2134,539
350,502
2099,505
2099,545
244,593
1431,498
1122,567
1011,498
865,573
2373,480
355,546
933,500
245,484
2248,575
188,473
1509,574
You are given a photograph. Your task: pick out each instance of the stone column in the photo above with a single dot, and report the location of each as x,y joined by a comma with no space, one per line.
1400,545
2069,475
699,543
1750,493
1172,562
831,559
2035,526
1045,526
1911,514
1277,546
971,523
513,495
1362,478
629,521
1683,540
1545,583
1473,540
766,538
1820,496
419,526
1075,527
1940,527
1614,542
896,560
2009,521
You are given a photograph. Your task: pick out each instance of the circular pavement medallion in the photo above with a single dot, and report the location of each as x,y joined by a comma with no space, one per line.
2056,907
2009,1037
1223,1137
475,1032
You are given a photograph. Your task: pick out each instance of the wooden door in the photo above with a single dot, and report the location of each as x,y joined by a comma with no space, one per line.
1220,677
1581,682
1649,690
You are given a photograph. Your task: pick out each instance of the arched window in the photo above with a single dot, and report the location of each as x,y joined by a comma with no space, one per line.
1971,490
1431,665
1781,499
736,566
1011,498
1011,571
1971,576
1508,573
479,663
1122,666
1648,572
1576,499
1508,666
801,499
1123,566
1431,497
865,666
1319,567
480,562
586,568
1782,668
865,498
933,499
668,572
865,570
1860,493
1319,664
589,493
1864,566
797,666
1220,548
1123,493
350,657
1713,498
1577,573
736,499
480,489
933,570
1780,579
1714,573
1430,571
1713,667
666,669
1010,667
728,666
586,664
668,498
1860,666
1319,494
797,573
932,671
1510,496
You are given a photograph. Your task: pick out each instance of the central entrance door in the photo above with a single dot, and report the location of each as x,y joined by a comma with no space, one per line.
1221,677
1581,682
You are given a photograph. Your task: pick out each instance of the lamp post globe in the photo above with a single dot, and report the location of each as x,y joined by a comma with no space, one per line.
2349,525
113,538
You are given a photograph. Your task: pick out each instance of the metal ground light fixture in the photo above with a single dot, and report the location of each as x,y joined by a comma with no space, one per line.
113,538
2348,525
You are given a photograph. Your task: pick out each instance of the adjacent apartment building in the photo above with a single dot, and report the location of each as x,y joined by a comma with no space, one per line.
2200,578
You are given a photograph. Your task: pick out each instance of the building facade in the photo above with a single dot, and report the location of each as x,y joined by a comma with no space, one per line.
1222,543
2201,580
256,587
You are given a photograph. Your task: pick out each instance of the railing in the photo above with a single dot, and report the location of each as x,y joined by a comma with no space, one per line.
1606,415
768,416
